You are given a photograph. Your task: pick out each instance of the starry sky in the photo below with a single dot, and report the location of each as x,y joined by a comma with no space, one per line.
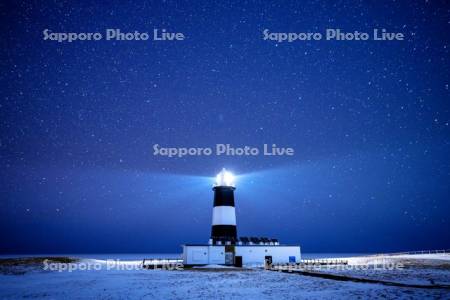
369,122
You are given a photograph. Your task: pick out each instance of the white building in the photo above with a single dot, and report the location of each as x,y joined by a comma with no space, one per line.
239,254
224,247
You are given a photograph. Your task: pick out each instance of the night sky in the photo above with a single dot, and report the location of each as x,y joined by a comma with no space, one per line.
369,122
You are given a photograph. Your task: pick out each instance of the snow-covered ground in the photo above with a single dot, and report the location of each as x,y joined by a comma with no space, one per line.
440,259
131,282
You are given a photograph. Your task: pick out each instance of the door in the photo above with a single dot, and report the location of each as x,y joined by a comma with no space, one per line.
238,261
229,255
268,261
229,258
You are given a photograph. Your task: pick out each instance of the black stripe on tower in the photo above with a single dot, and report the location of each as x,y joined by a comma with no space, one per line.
224,232
223,196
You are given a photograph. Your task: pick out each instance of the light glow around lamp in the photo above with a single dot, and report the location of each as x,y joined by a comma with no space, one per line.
224,178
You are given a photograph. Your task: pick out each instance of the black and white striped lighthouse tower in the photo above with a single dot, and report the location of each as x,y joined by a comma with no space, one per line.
224,215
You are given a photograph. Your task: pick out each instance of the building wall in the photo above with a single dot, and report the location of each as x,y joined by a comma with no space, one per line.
203,255
257,254
195,255
216,255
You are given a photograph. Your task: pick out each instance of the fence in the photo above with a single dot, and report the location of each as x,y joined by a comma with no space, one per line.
444,251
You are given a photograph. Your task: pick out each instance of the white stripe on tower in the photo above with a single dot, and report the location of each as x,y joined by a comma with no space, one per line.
224,215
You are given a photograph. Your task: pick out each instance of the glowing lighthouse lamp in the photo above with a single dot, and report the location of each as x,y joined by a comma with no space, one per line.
224,178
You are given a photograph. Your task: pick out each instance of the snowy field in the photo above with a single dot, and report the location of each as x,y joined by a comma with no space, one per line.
222,283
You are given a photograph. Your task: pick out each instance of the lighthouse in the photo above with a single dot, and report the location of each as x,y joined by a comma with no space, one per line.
224,246
223,229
